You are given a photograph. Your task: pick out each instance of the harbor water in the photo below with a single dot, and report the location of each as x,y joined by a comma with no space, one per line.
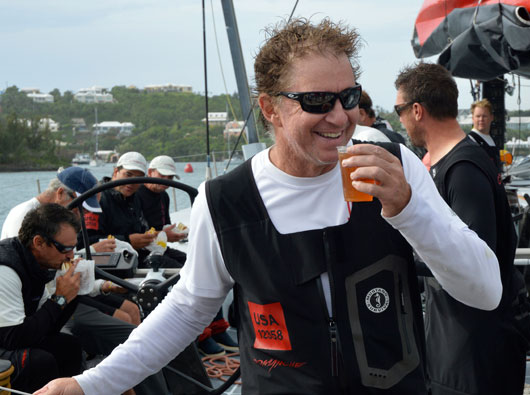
18,187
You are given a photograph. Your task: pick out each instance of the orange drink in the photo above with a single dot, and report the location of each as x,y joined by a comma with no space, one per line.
350,193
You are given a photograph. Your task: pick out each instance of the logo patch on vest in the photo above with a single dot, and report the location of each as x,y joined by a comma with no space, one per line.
92,220
269,326
377,300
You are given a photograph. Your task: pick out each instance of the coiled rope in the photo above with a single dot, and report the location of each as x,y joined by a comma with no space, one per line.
221,367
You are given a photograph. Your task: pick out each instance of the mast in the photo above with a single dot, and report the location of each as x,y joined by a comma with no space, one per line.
241,78
97,131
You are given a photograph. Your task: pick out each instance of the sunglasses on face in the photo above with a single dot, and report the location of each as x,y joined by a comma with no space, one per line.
399,108
323,102
60,247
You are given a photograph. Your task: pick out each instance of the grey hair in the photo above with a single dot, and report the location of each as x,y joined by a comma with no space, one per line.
55,184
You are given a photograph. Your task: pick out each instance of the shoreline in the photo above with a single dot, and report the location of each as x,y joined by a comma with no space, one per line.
18,169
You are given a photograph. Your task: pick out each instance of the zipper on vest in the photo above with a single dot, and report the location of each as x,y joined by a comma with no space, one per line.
334,348
332,330
403,313
332,325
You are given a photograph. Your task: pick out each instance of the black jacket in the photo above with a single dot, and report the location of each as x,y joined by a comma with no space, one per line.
39,323
120,217
155,207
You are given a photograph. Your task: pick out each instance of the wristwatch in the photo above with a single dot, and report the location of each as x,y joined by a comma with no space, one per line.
60,300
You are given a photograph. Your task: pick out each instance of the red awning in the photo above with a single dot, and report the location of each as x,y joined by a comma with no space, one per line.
475,39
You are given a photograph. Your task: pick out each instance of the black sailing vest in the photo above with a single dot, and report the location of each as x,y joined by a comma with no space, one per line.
32,276
492,151
476,351
374,341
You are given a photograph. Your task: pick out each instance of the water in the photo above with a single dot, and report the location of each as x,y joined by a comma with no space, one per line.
21,186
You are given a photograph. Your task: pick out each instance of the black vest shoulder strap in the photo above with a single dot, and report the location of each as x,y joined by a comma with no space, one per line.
229,194
492,151
12,255
470,152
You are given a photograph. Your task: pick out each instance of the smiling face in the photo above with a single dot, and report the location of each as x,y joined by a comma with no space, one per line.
306,144
482,119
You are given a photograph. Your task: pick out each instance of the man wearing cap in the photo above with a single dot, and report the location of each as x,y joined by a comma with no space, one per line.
99,332
154,199
69,183
122,215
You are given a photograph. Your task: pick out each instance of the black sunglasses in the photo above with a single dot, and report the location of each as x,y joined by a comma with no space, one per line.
323,102
60,247
399,108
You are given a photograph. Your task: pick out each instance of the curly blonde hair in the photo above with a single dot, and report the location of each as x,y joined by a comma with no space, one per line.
291,40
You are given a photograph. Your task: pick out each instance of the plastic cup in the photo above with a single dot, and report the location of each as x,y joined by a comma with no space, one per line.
350,193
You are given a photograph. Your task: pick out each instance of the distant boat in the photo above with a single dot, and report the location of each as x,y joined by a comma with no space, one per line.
81,159
96,161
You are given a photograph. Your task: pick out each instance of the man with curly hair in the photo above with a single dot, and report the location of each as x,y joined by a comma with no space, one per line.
325,290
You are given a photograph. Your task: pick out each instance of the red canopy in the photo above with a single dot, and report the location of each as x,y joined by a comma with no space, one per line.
433,12
479,41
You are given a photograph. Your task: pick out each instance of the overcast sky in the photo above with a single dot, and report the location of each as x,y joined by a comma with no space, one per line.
74,44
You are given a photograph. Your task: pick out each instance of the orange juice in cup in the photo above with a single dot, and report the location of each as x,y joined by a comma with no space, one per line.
350,193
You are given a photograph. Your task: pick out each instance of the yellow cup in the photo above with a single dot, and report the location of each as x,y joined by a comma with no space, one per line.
350,193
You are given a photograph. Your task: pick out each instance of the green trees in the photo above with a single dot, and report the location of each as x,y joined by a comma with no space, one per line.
165,123
25,145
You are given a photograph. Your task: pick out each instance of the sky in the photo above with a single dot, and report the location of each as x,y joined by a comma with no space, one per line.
70,45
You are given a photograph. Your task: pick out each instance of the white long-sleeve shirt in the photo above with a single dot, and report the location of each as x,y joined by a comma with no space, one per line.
462,263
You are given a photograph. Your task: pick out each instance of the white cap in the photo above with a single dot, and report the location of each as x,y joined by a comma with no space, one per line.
133,161
164,164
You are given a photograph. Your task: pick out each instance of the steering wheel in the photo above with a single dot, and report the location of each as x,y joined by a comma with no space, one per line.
149,292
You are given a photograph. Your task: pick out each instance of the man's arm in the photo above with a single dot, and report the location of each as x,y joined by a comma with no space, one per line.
175,323
18,330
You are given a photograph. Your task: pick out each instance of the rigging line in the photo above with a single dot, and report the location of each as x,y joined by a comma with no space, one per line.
473,91
252,105
476,12
221,64
519,103
237,141
206,91
292,12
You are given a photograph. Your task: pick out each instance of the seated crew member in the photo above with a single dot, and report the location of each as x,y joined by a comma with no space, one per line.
100,326
69,184
154,202
121,214
31,320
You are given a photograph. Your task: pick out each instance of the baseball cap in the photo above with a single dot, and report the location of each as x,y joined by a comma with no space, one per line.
80,180
164,164
133,161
